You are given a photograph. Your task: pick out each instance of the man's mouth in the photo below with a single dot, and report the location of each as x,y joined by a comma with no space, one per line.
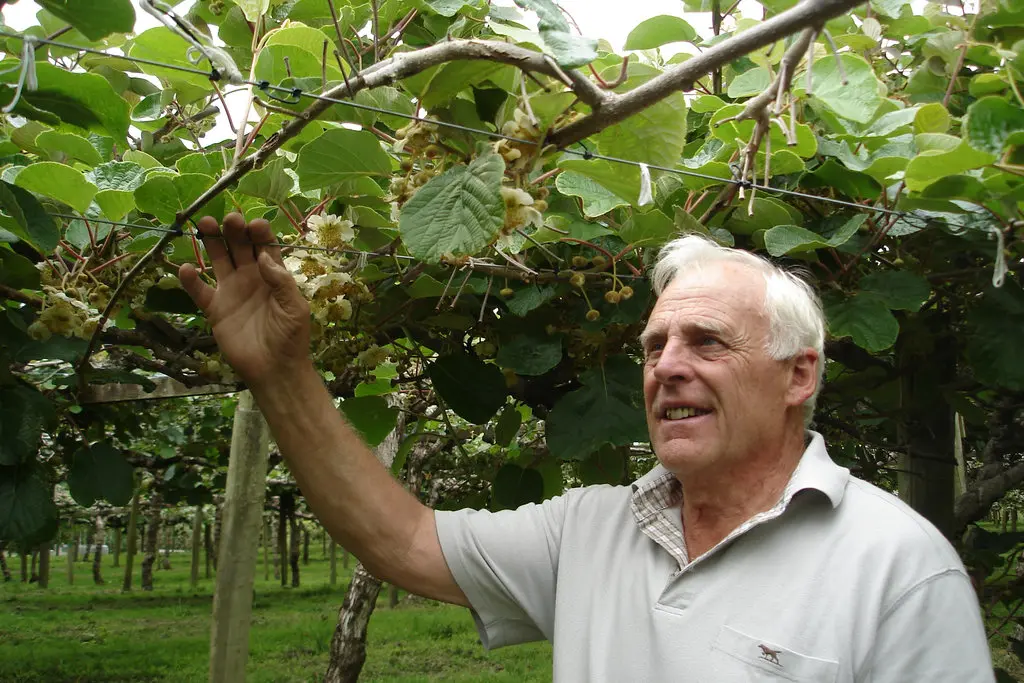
684,413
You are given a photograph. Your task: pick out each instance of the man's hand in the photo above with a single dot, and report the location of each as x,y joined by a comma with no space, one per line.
258,315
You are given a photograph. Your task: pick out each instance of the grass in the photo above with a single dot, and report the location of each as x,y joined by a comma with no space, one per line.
87,633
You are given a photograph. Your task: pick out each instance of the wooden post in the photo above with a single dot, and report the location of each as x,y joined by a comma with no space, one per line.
197,539
133,540
97,566
236,570
266,550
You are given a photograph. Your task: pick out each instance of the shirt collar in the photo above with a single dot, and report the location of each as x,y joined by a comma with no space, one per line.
815,471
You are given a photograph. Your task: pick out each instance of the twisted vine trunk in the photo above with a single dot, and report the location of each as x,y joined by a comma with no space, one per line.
3,564
348,646
133,542
44,564
97,555
197,537
150,549
285,504
296,533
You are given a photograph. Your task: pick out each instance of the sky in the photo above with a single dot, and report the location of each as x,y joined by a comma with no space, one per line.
608,19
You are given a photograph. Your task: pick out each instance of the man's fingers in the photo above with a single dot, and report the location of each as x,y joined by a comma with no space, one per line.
282,284
239,242
263,237
209,230
200,292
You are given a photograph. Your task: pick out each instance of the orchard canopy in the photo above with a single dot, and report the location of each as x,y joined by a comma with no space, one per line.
471,195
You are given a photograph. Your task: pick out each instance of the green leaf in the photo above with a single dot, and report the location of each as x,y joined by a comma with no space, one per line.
791,239
456,213
449,8
32,224
851,183
993,342
654,135
606,466
866,319
117,182
508,425
514,486
161,45
166,196
859,98
899,289
651,229
61,182
371,416
597,200
767,213
253,9
931,118
530,355
993,124
621,180
81,99
28,515
100,471
568,49
608,409
24,414
750,82
529,298
341,154
473,389
270,182
70,145
17,272
933,164
95,20
454,77
658,31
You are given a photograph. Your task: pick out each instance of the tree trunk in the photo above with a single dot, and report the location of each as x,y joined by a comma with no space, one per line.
165,563
1013,520
218,521
3,564
97,556
1004,517
244,495
208,545
927,466
305,545
44,565
334,563
33,574
72,539
89,537
150,548
285,502
133,540
393,596
73,543
117,546
24,567
296,533
197,539
348,646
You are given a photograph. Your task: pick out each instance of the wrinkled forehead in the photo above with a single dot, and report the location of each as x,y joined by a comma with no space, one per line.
722,288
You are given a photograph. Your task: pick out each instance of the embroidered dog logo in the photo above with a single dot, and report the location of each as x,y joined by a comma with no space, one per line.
770,655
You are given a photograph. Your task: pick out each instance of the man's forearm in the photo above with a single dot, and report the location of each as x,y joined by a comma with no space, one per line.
353,495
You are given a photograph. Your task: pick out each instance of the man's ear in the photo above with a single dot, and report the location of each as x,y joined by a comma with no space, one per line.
803,377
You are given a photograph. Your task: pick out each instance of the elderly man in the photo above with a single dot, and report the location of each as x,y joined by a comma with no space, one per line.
746,555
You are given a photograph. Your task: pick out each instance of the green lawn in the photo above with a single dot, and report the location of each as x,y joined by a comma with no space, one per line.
90,633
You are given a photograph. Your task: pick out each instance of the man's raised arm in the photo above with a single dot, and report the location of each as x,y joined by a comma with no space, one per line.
261,323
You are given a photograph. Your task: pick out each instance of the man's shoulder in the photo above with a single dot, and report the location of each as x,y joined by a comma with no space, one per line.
886,524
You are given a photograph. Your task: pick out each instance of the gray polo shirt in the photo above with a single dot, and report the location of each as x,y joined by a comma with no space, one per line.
839,582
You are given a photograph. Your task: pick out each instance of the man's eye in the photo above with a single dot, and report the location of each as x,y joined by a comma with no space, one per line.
709,341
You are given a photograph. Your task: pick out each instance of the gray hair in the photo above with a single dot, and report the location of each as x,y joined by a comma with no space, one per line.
795,317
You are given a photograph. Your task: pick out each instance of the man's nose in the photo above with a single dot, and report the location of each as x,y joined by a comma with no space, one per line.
675,364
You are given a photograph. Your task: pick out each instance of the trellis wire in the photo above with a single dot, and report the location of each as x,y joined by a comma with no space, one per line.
296,93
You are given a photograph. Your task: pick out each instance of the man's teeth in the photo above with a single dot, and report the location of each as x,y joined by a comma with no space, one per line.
680,413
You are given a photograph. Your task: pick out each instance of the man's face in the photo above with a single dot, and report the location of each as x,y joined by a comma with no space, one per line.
714,397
